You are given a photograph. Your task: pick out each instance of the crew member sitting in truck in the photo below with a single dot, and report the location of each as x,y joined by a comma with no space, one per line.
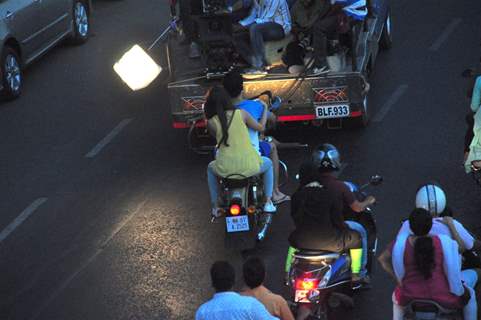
320,20
269,20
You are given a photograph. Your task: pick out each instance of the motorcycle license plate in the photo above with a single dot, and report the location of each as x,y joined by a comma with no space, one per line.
237,224
301,296
336,111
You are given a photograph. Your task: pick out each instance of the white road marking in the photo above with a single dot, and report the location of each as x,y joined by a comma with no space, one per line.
108,138
21,218
393,99
445,34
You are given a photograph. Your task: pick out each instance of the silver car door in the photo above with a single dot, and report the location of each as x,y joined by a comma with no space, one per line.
21,19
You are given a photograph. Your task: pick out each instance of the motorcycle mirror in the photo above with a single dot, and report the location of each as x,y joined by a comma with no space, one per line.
376,180
468,73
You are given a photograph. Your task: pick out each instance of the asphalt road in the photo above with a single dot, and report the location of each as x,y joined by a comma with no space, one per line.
122,232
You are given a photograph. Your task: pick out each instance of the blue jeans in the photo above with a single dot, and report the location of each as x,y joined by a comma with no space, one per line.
258,34
266,170
356,226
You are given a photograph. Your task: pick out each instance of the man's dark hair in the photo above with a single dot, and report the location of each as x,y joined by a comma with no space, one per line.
233,83
254,272
222,274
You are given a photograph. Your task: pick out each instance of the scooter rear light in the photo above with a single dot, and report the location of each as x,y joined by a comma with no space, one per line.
306,284
235,209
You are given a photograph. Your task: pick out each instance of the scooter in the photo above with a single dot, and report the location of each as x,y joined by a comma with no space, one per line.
430,310
320,281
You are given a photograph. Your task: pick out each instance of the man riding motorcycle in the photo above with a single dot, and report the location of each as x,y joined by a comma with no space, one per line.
316,209
327,159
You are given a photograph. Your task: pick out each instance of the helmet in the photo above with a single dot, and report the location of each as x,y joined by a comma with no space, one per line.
432,198
326,157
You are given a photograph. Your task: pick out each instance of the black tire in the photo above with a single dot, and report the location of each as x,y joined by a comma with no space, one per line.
80,22
12,76
385,42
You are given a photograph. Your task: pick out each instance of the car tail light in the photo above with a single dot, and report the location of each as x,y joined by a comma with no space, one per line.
251,209
306,284
235,209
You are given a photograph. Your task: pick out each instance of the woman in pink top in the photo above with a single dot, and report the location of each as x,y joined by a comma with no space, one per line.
424,274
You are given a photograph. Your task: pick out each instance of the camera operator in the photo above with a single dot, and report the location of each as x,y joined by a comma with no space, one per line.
268,20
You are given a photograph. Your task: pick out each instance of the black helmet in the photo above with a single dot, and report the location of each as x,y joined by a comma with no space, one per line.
326,157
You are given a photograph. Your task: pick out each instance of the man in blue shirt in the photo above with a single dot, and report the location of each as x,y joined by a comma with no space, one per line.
234,85
227,304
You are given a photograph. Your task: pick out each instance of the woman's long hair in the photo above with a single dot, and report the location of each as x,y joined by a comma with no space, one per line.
420,222
217,103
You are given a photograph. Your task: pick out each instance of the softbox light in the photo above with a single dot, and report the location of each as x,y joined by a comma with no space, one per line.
136,68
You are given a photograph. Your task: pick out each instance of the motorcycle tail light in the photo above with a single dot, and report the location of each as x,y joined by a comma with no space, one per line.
251,210
235,209
306,284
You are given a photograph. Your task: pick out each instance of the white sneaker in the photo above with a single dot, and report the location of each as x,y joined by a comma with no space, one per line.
269,207
216,213
319,71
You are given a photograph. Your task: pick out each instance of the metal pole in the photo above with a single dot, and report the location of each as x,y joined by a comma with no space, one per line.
171,26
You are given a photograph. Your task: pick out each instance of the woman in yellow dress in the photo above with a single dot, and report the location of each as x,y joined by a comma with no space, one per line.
235,155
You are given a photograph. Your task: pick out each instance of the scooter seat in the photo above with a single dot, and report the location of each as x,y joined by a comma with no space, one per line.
314,252
316,255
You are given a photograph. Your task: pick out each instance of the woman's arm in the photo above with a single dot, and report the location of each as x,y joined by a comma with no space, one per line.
476,98
252,123
385,259
211,128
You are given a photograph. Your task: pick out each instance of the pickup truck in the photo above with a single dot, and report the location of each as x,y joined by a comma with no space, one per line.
333,99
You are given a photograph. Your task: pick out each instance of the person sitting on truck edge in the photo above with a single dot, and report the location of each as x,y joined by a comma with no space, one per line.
336,22
304,14
268,20
234,85
335,17
235,154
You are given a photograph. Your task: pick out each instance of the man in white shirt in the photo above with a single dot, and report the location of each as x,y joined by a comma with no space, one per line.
227,304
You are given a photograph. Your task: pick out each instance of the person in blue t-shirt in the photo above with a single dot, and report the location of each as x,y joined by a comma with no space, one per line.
234,84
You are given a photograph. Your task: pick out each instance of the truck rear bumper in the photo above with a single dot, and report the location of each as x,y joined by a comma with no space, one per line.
300,97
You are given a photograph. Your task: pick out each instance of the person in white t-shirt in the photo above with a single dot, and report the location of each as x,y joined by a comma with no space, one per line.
432,198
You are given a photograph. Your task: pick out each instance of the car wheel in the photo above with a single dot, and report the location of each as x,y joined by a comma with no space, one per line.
385,42
81,22
11,74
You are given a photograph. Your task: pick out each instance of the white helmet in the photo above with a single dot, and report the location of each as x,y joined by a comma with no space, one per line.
432,198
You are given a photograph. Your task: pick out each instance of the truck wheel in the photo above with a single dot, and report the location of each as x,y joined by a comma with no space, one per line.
12,77
385,42
363,120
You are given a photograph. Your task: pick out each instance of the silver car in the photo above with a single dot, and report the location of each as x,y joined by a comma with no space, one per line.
28,28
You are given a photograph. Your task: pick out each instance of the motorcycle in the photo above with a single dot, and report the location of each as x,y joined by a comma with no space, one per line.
320,281
430,310
241,203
